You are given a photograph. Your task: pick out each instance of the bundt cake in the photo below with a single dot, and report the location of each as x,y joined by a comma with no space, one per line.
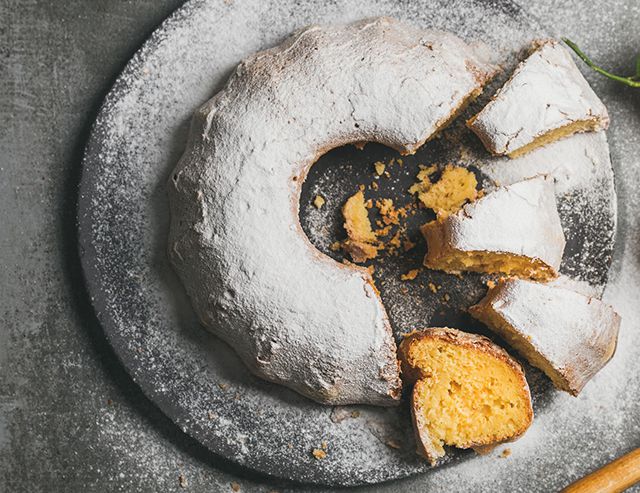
514,230
568,335
545,99
468,391
295,316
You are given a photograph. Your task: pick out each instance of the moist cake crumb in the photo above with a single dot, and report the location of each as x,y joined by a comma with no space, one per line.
362,240
318,453
456,187
411,275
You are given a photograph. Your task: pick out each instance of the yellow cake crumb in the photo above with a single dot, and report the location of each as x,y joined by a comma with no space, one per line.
379,166
433,287
361,244
235,486
319,453
424,181
385,206
408,245
382,229
359,251
411,275
455,187
491,284
390,215
395,242
355,414
335,246
318,202
505,453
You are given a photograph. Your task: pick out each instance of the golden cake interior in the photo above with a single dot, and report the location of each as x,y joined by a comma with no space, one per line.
456,187
491,262
468,397
362,241
557,134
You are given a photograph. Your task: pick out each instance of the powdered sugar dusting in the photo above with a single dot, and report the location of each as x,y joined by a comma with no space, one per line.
137,141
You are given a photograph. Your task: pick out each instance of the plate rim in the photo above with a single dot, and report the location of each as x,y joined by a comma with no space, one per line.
90,275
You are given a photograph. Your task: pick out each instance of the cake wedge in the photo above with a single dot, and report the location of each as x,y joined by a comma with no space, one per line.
468,392
546,99
514,230
568,335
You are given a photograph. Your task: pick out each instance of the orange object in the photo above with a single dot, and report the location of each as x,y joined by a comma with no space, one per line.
616,476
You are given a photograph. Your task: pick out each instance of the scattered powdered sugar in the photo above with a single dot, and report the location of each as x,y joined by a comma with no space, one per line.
198,381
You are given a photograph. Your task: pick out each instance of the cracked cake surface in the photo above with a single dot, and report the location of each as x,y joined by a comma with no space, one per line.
295,316
546,98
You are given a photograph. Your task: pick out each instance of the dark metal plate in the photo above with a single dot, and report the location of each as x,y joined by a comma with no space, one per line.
123,220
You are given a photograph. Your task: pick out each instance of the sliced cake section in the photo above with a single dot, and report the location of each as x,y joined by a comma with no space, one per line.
568,335
545,99
468,391
514,230
362,240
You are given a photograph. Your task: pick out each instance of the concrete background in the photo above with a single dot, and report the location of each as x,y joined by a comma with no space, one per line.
70,417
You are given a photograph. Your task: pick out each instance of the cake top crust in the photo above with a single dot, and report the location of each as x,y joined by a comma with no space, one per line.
546,92
295,316
574,331
519,219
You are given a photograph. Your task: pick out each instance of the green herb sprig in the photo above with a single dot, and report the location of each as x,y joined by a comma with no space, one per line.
633,80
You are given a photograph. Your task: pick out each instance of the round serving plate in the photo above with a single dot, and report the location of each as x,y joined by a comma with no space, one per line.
195,378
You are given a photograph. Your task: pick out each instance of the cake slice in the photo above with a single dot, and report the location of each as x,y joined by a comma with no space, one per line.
568,335
362,242
514,230
468,392
545,99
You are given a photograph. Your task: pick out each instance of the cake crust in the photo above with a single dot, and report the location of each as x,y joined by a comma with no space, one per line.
295,316
414,374
546,99
518,223
568,335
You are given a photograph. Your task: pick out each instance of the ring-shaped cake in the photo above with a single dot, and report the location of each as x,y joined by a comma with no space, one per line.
295,316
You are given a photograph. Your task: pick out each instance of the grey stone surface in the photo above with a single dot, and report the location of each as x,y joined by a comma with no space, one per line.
70,417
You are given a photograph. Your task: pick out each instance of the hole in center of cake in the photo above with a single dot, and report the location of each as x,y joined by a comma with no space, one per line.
413,295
